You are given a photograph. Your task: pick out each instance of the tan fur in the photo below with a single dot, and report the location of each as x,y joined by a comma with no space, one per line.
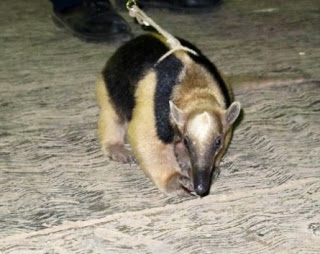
196,86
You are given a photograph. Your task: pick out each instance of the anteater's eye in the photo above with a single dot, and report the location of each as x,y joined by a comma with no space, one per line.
218,142
186,142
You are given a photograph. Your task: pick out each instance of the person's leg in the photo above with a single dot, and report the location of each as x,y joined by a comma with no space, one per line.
90,20
59,5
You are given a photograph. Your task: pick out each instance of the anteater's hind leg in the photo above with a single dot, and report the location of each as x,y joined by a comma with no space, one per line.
111,128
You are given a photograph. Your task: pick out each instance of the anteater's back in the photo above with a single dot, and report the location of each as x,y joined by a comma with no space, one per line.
132,61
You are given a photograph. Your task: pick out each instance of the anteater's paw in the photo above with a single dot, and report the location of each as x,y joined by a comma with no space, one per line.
180,185
119,153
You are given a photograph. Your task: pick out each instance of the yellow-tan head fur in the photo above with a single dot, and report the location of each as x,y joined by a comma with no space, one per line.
204,123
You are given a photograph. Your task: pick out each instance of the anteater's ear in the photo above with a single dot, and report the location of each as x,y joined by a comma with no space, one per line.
177,115
232,113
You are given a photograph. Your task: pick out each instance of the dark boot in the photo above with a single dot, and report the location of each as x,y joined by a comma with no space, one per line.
93,21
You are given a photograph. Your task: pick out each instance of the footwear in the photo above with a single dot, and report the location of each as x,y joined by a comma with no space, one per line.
93,21
176,5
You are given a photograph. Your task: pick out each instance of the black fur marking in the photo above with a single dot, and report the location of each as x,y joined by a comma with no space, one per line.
127,66
167,74
206,63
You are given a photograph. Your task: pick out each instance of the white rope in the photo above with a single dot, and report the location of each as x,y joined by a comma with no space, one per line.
143,19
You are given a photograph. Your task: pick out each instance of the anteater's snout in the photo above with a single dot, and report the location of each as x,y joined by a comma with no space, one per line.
202,183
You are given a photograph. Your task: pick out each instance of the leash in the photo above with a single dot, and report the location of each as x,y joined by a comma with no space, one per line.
143,19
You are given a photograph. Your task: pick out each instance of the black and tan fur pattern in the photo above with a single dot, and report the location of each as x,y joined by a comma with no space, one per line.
162,109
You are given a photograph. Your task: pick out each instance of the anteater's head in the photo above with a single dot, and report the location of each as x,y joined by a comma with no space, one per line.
203,132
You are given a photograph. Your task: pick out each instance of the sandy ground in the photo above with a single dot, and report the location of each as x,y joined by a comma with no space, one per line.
59,194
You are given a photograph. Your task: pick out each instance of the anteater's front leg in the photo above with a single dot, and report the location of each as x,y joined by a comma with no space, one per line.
154,157
158,161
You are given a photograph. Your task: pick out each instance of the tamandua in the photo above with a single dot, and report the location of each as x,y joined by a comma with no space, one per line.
177,114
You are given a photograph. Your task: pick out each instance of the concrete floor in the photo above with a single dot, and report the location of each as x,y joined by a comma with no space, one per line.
58,194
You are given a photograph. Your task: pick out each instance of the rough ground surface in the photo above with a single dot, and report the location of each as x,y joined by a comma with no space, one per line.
58,194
